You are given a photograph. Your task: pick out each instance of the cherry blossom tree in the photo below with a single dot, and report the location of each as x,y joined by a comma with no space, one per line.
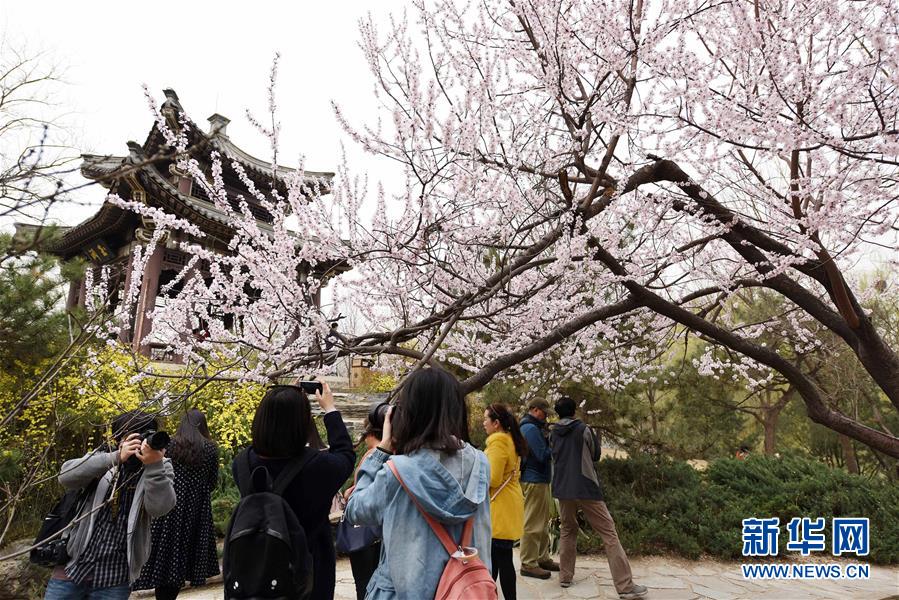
595,178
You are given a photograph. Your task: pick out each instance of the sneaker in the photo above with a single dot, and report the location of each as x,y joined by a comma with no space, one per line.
535,572
637,591
565,584
549,565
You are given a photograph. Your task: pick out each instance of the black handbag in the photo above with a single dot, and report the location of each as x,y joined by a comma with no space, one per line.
352,538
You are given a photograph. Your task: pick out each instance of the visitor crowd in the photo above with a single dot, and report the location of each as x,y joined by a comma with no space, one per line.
427,516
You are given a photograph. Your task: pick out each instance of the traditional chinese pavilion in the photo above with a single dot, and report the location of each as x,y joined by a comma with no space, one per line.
148,174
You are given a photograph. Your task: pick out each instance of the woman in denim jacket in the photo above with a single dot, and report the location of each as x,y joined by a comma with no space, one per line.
426,437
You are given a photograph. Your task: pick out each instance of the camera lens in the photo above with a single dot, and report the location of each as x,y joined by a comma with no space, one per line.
376,415
157,440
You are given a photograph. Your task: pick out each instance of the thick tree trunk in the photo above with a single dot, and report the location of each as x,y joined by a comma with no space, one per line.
848,454
654,419
769,421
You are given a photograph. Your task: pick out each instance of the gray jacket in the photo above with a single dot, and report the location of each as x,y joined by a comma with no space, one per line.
575,452
154,496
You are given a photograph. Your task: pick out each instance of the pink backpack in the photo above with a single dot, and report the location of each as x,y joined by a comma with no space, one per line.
464,577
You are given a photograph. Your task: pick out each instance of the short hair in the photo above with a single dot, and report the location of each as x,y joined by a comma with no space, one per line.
430,412
133,421
283,422
565,407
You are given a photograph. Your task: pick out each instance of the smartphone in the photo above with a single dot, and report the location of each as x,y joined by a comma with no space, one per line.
310,387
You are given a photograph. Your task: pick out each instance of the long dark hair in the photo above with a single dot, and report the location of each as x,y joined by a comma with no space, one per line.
430,413
500,412
283,423
190,439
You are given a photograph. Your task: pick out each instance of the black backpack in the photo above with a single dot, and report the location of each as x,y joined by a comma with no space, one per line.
52,552
266,553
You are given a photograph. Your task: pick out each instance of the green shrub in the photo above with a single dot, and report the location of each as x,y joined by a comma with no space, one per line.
662,506
223,503
656,505
794,486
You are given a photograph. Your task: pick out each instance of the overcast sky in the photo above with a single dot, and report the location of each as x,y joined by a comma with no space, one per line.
216,55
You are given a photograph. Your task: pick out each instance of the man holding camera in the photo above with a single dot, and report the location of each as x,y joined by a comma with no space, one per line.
575,482
110,537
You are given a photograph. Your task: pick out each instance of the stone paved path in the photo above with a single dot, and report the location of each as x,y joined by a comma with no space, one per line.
667,579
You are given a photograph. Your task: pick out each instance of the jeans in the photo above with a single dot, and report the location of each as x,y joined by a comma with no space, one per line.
63,589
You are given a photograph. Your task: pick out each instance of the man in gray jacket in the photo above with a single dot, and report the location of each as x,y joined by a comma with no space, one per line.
110,539
575,482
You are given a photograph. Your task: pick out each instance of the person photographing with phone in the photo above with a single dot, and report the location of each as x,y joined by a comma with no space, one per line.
286,459
126,488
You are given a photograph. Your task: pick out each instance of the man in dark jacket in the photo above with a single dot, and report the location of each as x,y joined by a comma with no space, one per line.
535,560
575,482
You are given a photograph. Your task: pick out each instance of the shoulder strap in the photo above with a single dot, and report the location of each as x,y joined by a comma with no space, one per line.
291,470
359,466
244,479
438,529
500,488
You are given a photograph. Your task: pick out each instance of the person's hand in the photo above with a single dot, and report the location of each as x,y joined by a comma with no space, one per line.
129,447
387,436
148,455
325,398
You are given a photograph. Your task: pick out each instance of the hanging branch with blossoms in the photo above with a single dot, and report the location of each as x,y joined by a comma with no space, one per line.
596,179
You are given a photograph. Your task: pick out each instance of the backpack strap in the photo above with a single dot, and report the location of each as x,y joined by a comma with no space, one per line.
437,527
291,470
244,473
285,477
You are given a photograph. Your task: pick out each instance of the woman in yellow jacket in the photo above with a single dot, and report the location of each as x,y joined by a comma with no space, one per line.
505,449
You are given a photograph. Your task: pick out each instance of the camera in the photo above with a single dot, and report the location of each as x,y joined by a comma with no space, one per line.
51,554
376,415
157,440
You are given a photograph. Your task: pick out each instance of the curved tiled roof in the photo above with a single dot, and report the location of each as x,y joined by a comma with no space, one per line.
137,167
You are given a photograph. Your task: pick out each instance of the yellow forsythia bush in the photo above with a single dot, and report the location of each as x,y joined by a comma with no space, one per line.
229,409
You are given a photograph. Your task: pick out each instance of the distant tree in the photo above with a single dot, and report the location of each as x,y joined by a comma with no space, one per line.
33,324
35,159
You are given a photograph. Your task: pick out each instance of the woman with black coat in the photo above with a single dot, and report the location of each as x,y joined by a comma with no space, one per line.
183,546
283,428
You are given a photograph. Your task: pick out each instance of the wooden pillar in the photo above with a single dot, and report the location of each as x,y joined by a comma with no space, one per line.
82,290
74,297
146,300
